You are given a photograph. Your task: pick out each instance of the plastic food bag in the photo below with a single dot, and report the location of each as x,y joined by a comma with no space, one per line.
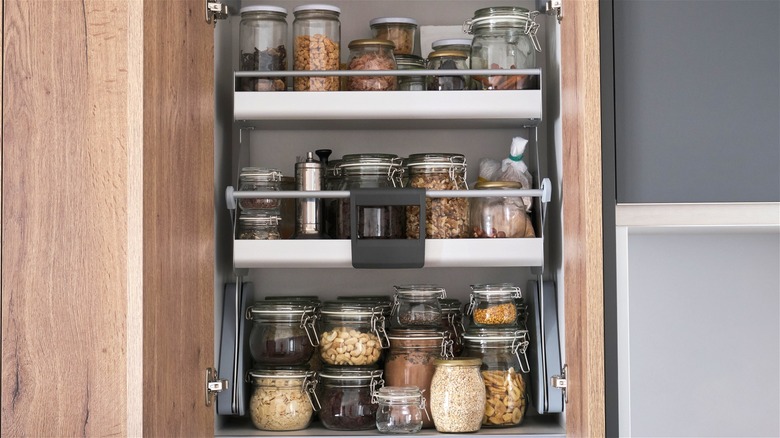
489,169
515,169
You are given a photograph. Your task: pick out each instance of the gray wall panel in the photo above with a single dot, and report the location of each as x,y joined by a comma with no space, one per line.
697,100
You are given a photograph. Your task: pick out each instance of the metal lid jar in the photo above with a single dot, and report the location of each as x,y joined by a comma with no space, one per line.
410,62
262,43
257,225
282,399
493,305
259,179
498,216
401,31
353,333
371,54
401,410
370,171
316,45
417,305
445,218
283,332
504,38
457,395
504,363
460,44
347,396
447,60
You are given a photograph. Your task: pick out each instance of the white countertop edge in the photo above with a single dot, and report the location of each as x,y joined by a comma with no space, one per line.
753,214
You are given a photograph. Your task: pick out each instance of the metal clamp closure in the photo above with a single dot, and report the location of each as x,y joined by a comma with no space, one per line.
378,327
376,383
308,324
446,347
471,305
422,404
309,387
519,347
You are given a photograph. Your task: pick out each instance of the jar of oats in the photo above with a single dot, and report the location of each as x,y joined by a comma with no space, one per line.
282,399
457,395
445,218
316,46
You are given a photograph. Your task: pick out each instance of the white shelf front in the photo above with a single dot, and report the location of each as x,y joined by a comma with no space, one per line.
337,253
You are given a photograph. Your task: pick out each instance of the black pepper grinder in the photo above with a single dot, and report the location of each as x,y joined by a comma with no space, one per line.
323,154
308,217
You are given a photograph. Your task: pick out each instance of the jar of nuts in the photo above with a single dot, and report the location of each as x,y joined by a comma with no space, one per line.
258,225
260,179
504,370
347,396
417,305
353,333
316,46
445,218
282,399
400,30
498,216
447,60
371,55
262,40
283,332
494,305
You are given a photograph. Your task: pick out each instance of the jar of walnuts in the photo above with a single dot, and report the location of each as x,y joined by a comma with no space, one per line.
369,54
445,218
316,46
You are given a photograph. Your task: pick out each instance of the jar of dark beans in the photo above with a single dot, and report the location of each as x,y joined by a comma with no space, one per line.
371,171
452,323
262,37
283,332
259,179
346,396
257,225
447,60
417,305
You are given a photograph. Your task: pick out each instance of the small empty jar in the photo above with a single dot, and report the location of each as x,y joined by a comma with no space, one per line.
401,409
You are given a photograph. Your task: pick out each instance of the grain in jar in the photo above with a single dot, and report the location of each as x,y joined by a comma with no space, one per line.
457,395
282,399
316,46
494,305
256,225
445,218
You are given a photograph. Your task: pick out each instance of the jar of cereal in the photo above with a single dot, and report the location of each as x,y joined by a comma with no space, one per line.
282,399
316,46
445,218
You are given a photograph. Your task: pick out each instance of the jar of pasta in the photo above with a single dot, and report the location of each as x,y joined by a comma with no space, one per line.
282,399
445,218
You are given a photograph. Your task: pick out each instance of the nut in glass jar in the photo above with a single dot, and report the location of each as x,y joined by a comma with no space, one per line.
445,218
495,216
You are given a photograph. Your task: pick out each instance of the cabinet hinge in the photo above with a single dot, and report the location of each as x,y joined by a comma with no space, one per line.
214,385
215,11
553,7
561,383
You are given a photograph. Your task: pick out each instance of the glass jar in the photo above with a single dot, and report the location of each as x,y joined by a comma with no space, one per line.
316,46
447,60
410,358
364,171
371,55
457,395
410,62
283,332
383,302
401,31
504,38
353,333
417,305
282,399
498,216
452,322
493,305
287,209
401,410
256,225
445,218
504,367
331,206
262,43
347,397
260,179
459,44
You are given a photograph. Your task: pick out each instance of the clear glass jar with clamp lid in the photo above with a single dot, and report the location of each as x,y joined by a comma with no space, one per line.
401,410
445,218
282,398
353,333
257,225
283,333
347,396
494,305
260,179
417,305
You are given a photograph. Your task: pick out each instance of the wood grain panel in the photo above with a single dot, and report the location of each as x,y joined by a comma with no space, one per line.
64,218
178,223
582,229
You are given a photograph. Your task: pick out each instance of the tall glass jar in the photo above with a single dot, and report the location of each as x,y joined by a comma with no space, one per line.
258,225
417,306
504,367
410,62
282,399
410,358
367,54
316,46
504,38
260,179
493,305
283,332
347,397
445,218
401,410
452,322
370,171
457,395
353,333
447,60
498,216
262,40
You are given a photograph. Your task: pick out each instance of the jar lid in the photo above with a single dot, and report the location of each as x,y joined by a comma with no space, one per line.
418,334
496,289
295,298
494,334
498,185
263,8
399,394
370,42
317,7
436,160
501,16
345,307
370,159
451,42
260,174
392,20
409,62
421,290
458,362
448,54
280,373
344,373
450,304
280,307
258,218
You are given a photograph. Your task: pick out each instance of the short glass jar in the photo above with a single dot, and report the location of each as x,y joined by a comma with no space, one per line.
371,54
401,410
410,62
400,30
282,399
504,38
498,216
459,44
257,225
445,218
347,397
316,46
370,171
262,39
452,322
493,305
447,60
353,333
457,395
259,179
417,306
504,367
283,332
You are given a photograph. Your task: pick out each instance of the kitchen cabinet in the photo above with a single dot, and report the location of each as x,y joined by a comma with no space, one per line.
171,203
